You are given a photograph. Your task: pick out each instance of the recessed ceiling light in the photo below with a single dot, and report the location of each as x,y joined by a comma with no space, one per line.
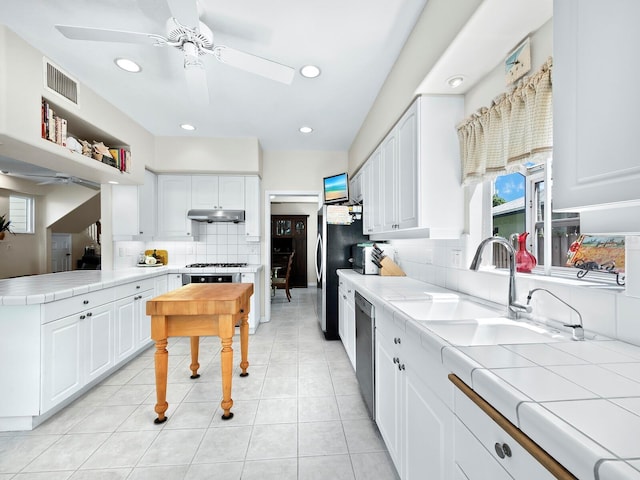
128,65
113,182
187,126
310,71
455,81
306,129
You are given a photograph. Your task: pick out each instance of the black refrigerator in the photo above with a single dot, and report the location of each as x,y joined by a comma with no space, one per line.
333,251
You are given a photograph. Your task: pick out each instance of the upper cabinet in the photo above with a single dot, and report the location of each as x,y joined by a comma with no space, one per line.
174,201
148,205
415,173
252,208
217,192
595,123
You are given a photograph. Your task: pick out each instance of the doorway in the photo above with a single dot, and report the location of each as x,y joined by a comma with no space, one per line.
274,202
60,252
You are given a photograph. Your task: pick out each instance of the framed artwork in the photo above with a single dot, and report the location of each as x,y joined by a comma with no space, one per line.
601,253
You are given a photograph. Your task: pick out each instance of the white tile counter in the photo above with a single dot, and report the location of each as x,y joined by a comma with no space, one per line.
579,401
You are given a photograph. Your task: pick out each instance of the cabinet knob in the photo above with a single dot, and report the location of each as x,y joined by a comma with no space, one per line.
396,360
396,340
137,287
85,302
502,450
89,314
506,449
82,317
400,366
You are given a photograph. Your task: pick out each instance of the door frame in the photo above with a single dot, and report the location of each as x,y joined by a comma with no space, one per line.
69,253
294,196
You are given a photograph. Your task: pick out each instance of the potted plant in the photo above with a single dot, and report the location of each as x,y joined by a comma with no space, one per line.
5,226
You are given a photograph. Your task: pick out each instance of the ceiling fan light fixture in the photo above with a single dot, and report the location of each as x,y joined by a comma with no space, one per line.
188,127
306,129
310,71
455,81
128,65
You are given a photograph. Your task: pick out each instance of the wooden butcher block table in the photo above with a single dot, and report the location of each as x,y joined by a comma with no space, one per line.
199,310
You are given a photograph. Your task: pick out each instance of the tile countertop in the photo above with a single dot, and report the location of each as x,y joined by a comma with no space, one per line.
580,401
49,287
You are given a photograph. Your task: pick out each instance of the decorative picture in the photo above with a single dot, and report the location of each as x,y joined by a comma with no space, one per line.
603,253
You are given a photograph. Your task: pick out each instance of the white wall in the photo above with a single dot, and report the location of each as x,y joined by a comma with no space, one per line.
300,170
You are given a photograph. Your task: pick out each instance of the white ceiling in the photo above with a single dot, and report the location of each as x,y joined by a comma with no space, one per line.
355,43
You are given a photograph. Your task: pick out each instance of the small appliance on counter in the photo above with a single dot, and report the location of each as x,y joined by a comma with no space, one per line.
373,258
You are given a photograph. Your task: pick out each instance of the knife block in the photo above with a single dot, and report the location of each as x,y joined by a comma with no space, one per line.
390,268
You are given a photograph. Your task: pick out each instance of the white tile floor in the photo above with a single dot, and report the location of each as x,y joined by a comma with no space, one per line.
298,415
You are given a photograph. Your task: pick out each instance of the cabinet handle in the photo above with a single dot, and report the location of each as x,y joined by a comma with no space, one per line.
397,340
506,449
86,302
502,450
400,366
82,317
137,287
344,296
89,314
396,360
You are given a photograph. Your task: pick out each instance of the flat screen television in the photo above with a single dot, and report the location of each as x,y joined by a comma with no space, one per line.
336,188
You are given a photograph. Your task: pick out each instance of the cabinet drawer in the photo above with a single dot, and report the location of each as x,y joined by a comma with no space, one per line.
498,443
472,458
134,287
77,303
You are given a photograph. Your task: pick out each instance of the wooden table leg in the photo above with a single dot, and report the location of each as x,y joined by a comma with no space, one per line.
195,347
161,364
226,331
244,344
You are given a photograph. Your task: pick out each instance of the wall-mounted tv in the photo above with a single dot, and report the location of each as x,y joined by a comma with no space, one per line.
336,188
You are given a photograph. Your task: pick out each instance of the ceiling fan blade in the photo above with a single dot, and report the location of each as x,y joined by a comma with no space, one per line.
186,12
106,35
254,64
197,83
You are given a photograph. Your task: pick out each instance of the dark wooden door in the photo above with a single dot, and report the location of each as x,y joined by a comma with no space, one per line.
289,233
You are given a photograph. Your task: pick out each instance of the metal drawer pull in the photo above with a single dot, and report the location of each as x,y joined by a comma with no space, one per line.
86,302
503,450
89,314
400,366
396,360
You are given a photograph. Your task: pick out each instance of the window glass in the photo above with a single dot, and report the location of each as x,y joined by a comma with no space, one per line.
21,214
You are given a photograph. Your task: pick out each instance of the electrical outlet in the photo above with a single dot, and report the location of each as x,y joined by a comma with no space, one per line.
456,258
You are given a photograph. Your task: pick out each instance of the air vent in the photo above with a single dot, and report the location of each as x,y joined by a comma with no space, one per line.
60,83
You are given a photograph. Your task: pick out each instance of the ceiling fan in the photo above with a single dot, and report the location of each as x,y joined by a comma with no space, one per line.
188,34
57,179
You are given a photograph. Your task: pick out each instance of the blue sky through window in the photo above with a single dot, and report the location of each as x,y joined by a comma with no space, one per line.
510,186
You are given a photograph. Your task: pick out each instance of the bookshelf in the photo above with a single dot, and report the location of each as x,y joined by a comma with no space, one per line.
58,124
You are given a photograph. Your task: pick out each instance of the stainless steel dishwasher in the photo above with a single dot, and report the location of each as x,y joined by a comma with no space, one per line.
365,350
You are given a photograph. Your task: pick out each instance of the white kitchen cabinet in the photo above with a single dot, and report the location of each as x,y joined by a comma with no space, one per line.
487,447
174,201
124,210
347,318
595,124
148,205
418,169
367,196
355,188
252,216
217,192
174,280
75,351
254,302
133,326
416,425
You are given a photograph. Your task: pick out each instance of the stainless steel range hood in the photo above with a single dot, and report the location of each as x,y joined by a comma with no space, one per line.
210,216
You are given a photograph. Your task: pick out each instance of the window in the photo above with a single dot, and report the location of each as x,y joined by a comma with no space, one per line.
21,213
519,205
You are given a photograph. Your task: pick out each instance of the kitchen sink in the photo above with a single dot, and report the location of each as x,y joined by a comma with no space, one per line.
494,331
440,309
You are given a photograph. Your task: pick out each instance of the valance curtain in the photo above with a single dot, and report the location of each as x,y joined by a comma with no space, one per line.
516,128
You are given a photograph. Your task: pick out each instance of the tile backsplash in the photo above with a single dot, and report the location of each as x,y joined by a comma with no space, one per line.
612,313
217,243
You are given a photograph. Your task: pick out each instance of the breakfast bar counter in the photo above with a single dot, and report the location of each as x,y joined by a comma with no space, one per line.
195,310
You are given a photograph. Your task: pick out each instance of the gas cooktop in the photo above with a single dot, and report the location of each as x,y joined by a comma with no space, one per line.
204,265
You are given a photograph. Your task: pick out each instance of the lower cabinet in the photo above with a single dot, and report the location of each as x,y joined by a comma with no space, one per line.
347,318
254,303
174,280
75,350
414,422
133,326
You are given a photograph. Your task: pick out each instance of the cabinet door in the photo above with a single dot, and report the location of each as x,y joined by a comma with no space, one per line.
473,459
62,344
375,200
389,183
231,192
428,431
594,124
174,281
342,321
125,336
174,201
252,209
350,329
124,210
99,339
407,168
142,319
387,396
367,199
148,205
205,192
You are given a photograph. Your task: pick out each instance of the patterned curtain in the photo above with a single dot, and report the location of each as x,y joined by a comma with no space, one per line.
516,128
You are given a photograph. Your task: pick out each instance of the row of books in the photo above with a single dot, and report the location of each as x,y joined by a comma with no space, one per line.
54,129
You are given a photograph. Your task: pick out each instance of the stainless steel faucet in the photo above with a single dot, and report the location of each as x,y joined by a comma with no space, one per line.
577,329
513,307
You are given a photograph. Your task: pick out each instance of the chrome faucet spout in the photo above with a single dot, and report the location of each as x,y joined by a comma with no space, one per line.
513,307
577,329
